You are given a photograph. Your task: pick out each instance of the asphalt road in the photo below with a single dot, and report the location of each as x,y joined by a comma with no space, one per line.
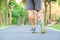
24,33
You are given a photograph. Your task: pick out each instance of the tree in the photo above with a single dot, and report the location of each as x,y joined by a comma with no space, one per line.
11,5
48,12
0,11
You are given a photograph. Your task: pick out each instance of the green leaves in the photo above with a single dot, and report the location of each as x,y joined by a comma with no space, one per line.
11,3
58,2
19,11
23,0
54,0
0,3
50,0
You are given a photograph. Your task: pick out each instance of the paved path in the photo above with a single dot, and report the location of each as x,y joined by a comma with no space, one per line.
24,33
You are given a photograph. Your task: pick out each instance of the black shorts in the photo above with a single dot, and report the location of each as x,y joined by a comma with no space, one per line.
33,4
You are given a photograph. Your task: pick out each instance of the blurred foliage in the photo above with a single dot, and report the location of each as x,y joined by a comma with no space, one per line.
50,1
11,3
23,0
19,12
14,20
58,20
58,2
0,3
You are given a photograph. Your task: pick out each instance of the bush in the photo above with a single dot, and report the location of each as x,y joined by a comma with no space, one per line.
58,20
19,13
14,20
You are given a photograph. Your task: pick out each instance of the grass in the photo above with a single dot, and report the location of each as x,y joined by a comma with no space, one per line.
3,25
56,26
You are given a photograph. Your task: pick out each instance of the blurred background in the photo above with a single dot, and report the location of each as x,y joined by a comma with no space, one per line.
13,12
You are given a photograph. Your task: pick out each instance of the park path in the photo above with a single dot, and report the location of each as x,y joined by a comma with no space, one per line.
24,33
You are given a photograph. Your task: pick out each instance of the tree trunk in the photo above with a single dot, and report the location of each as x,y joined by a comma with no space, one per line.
10,17
50,12
7,9
0,17
6,20
23,19
45,16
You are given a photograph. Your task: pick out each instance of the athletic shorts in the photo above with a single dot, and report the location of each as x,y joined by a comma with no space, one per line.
33,4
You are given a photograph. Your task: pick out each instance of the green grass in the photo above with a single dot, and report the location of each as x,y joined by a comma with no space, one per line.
3,25
56,26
